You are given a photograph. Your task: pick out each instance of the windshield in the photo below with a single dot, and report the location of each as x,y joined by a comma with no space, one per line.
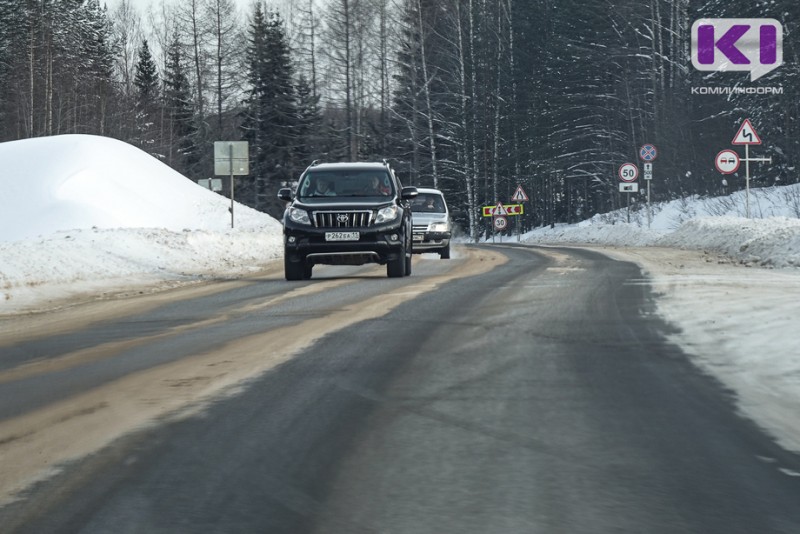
428,203
345,183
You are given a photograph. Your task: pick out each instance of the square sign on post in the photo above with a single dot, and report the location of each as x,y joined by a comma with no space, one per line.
231,158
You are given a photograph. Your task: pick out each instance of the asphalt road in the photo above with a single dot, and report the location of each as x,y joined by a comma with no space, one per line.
540,396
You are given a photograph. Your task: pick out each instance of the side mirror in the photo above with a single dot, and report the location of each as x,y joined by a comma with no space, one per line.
409,193
285,194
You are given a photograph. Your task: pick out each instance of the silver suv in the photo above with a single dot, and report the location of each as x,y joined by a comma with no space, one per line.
431,224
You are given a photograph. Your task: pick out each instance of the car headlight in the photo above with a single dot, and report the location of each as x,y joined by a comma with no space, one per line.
438,227
387,214
299,216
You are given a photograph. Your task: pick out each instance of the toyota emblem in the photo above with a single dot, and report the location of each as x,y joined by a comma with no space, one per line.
342,218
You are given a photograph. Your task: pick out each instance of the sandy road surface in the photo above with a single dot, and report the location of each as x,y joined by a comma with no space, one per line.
33,445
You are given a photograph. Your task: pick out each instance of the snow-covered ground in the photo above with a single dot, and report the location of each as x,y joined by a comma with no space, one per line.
86,215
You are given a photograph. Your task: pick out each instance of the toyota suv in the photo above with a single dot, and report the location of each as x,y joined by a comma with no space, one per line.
431,222
347,214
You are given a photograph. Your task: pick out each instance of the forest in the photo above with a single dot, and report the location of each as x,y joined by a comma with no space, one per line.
473,97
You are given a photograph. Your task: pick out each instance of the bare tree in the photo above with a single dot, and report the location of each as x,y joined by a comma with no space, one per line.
223,24
127,36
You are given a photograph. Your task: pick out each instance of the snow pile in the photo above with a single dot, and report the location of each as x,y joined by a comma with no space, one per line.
83,213
772,239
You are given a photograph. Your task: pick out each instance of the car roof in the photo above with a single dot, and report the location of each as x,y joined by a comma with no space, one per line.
366,165
429,190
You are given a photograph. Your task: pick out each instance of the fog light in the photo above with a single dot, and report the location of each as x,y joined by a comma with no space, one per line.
394,237
291,239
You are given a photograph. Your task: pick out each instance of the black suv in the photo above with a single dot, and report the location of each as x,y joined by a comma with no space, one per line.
347,214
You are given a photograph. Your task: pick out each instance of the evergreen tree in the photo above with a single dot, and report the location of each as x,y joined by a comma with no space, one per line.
178,102
309,124
146,83
99,57
270,116
146,77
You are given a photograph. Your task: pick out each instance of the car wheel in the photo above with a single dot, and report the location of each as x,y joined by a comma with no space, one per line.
409,254
445,252
397,268
307,271
293,270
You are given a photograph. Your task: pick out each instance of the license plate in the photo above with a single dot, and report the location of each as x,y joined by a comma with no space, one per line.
341,236
418,237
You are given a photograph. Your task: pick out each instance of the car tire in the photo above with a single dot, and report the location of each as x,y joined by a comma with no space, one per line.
293,270
409,254
307,269
444,254
397,268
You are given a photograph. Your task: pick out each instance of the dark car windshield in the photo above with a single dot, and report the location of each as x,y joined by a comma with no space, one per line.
345,183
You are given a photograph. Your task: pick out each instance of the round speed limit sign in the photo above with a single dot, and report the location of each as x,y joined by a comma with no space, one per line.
628,172
500,222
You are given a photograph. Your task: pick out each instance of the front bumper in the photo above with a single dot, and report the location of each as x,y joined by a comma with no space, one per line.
426,241
378,244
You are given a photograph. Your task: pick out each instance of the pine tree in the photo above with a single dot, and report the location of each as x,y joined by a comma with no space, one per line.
146,77
309,124
146,83
99,58
178,102
270,117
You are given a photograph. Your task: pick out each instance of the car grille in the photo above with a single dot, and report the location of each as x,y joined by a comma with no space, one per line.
342,219
419,228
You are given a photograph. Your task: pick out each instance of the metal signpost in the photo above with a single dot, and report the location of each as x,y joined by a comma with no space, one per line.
628,173
501,210
231,158
519,196
648,153
745,136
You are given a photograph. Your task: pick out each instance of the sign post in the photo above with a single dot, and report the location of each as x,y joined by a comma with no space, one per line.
628,173
648,153
746,136
519,196
231,158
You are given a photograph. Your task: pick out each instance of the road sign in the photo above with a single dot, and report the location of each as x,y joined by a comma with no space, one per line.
214,184
727,161
628,172
648,152
231,158
499,210
648,167
519,195
628,188
500,222
511,209
746,135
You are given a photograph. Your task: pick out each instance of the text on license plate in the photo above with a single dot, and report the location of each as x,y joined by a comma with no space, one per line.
418,237
341,236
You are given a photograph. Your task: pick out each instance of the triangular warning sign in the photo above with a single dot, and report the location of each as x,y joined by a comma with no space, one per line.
499,210
746,135
519,195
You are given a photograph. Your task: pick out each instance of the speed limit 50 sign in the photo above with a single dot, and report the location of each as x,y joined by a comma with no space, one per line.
628,172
